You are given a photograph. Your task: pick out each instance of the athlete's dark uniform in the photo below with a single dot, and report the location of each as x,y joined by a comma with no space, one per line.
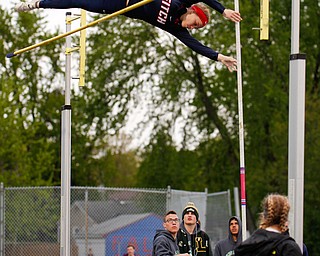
164,14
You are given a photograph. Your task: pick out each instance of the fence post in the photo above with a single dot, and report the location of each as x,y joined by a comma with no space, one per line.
236,200
168,198
1,219
86,223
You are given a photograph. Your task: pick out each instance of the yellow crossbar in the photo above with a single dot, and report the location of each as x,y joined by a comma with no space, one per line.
93,23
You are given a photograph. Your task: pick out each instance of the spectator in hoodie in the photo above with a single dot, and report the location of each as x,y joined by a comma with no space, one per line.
164,242
190,238
226,246
272,237
172,16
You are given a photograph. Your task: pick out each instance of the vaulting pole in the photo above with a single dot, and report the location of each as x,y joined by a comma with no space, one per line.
241,131
93,23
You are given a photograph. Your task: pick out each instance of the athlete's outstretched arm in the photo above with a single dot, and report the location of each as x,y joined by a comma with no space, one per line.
184,36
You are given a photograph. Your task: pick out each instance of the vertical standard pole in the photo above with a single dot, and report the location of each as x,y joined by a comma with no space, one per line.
241,130
296,145
296,128
66,152
295,26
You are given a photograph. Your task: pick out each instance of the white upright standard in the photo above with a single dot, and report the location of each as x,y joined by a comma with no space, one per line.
66,152
297,75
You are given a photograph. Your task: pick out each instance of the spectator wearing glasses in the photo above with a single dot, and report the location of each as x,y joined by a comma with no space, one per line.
190,238
164,242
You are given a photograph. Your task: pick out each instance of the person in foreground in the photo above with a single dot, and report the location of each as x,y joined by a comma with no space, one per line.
226,246
172,16
164,241
271,238
190,238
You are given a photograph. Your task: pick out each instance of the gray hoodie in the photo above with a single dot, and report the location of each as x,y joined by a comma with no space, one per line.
226,246
164,244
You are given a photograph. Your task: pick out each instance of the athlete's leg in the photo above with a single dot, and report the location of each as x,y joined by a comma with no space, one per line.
89,5
99,6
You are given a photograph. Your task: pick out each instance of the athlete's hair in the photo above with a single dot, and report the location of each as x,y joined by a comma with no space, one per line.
275,211
203,7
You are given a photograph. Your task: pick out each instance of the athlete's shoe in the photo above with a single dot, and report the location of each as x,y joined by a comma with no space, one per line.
25,7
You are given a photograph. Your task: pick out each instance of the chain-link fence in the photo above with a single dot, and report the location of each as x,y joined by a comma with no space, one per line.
102,220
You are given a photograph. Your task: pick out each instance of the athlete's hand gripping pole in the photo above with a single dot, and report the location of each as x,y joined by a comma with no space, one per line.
93,23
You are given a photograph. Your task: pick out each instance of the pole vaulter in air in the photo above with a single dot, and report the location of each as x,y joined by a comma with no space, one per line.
176,17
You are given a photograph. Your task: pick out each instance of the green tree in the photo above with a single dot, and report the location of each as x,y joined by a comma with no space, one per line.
164,165
31,118
26,156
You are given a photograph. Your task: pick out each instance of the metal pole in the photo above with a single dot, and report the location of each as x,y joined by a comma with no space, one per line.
2,195
236,201
296,145
295,26
241,131
87,224
204,220
66,151
229,202
296,129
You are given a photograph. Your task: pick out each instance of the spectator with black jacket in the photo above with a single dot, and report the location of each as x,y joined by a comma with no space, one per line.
190,238
272,237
